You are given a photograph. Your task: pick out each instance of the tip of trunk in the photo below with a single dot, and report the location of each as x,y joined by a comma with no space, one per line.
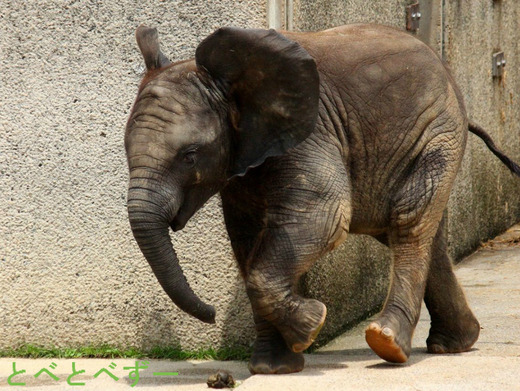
206,314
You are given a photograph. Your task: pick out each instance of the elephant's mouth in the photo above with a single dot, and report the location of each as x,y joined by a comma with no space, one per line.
192,203
181,219
177,224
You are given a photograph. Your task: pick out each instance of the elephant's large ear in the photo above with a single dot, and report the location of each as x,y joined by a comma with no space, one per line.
148,42
274,84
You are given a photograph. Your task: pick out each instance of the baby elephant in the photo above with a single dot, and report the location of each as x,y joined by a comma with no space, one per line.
307,136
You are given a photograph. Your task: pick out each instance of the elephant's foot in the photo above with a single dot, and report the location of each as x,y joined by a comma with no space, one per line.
302,323
455,339
276,361
272,356
388,343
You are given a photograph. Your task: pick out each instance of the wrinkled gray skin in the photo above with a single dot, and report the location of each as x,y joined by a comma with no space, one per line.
307,136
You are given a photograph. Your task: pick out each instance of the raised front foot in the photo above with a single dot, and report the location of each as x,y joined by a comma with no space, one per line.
389,342
455,339
302,323
272,356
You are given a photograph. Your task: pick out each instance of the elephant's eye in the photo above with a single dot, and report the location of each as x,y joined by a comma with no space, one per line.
190,158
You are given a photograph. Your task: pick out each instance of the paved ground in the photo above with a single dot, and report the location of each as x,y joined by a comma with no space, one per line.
491,278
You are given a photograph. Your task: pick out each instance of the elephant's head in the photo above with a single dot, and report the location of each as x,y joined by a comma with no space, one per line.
247,96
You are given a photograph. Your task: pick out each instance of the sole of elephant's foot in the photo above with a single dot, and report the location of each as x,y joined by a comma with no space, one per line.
457,342
276,364
300,347
305,325
314,330
382,341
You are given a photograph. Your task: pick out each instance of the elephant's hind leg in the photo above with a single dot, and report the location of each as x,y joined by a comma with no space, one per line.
454,328
416,215
390,335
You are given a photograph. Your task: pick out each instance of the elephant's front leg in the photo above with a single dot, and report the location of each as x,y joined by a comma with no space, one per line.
255,250
280,219
271,355
273,273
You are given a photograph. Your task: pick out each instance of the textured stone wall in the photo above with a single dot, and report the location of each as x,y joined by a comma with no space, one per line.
485,199
70,272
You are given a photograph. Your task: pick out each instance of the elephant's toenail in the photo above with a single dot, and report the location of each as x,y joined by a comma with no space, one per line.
387,332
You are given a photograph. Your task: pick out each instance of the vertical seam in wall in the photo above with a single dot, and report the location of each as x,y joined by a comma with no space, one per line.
443,32
289,9
274,14
274,17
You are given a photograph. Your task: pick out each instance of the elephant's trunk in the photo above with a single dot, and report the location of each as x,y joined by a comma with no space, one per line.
149,220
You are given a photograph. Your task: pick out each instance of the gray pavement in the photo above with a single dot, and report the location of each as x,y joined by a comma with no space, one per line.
491,278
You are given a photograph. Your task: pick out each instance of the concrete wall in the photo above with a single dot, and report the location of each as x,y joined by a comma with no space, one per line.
70,272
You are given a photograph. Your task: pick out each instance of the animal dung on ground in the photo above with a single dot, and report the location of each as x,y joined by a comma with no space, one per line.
221,379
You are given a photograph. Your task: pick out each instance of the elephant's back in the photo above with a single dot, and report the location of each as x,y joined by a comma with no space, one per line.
382,74
347,48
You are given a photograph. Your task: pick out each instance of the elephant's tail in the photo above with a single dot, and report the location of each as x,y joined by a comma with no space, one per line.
477,130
